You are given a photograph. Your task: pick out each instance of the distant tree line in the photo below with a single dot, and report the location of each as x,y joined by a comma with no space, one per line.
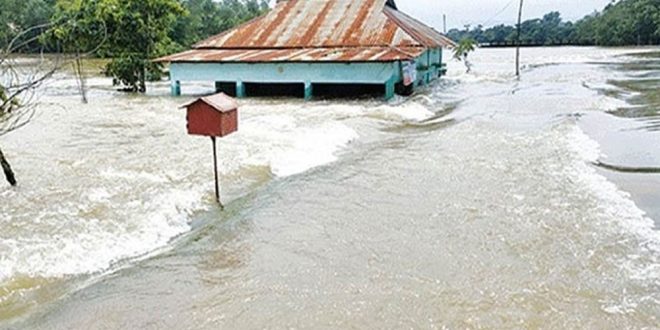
128,32
621,23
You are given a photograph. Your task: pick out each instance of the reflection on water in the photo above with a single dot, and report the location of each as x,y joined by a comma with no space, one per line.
641,89
471,204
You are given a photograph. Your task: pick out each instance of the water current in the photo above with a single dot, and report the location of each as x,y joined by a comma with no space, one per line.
482,201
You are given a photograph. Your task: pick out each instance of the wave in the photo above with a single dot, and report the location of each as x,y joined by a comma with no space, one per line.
616,204
123,209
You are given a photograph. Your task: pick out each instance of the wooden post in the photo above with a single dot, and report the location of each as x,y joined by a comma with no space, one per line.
518,39
215,170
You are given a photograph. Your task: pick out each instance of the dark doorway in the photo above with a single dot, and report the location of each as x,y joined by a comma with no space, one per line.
348,91
228,88
275,90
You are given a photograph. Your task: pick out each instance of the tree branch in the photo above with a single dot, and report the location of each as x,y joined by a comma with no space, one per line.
6,168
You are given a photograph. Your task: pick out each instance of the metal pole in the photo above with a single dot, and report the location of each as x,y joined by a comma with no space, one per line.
444,23
215,170
518,39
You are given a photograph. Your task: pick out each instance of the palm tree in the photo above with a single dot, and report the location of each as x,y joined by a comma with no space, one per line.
464,48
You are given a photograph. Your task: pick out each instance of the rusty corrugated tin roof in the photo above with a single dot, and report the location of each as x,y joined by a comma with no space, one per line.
320,30
329,23
421,32
348,54
221,102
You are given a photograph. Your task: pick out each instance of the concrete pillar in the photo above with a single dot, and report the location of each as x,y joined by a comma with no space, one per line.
389,89
308,90
176,88
240,89
443,68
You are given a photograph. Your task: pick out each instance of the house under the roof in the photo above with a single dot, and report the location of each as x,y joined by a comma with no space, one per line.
316,46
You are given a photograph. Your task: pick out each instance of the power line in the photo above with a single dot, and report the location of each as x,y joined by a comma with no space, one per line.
494,16
499,12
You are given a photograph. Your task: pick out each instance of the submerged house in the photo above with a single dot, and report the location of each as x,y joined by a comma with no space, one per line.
305,47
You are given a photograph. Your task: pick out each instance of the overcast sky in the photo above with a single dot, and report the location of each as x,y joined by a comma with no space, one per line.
493,12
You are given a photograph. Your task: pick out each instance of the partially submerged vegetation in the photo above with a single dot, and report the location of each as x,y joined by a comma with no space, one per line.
5,110
129,32
16,102
463,50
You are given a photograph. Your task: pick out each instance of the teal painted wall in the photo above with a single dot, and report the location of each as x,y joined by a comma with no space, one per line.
429,68
356,73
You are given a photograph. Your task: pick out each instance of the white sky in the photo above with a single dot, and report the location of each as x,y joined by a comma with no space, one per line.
492,12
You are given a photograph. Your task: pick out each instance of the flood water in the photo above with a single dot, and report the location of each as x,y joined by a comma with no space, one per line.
481,202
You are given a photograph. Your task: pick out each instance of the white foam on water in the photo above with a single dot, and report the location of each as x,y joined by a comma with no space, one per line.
480,77
312,147
91,244
615,204
581,144
133,209
288,145
294,138
98,195
407,111
117,174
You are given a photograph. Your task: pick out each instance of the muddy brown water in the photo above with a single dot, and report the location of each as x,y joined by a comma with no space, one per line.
476,203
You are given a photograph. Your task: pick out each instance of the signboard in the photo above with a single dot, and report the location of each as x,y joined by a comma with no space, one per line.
409,73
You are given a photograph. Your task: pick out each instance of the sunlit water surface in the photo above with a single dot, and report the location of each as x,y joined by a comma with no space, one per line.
480,202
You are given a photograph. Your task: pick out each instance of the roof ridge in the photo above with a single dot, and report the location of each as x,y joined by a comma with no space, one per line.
310,24
411,31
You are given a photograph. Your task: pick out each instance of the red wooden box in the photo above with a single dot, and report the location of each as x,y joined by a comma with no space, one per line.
215,115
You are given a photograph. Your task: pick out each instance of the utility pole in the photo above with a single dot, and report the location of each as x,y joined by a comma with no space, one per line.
444,23
518,39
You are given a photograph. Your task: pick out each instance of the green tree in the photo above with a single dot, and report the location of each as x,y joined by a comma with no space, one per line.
625,22
207,17
22,21
463,50
628,22
135,31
